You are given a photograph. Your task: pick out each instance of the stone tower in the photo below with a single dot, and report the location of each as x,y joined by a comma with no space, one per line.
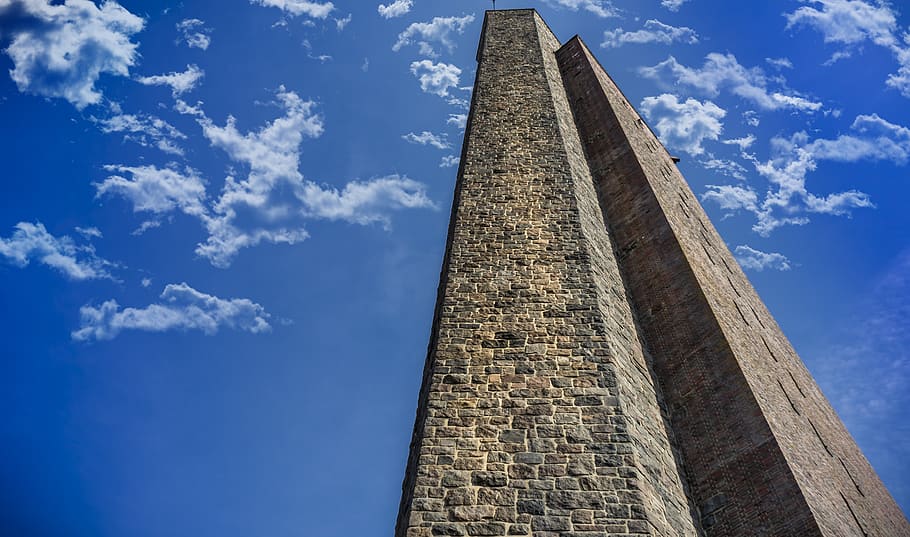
599,364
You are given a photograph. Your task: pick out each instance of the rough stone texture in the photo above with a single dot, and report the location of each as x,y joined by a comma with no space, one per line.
764,451
579,269
538,413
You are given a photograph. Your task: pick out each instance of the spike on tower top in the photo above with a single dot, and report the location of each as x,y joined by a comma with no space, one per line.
599,364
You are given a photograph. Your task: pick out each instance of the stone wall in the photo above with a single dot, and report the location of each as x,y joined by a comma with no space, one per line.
538,413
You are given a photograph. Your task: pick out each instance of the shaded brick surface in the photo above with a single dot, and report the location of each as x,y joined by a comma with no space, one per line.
765,453
586,304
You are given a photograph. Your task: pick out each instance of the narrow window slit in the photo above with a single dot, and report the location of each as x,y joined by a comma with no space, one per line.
855,484
757,318
763,340
796,383
703,247
684,210
787,395
726,265
855,519
824,445
741,314
735,290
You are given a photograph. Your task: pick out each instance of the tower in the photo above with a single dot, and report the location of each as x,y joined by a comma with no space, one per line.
599,364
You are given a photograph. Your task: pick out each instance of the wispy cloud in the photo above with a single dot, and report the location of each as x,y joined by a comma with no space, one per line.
145,130
727,167
73,43
316,10
438,141
601,8
195,34
654,31
458,120
32,242
436,78
156,190
274,201
181,308
724,72
853,22
865,370
440,30
673,5
789,202
342,23
179,82
684,125
395,9
780,63
449,161
751,259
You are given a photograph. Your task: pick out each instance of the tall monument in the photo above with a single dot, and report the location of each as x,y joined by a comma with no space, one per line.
599,364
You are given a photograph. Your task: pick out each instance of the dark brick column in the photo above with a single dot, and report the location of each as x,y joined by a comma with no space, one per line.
765,453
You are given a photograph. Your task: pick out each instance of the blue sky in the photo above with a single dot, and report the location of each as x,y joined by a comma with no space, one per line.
222,223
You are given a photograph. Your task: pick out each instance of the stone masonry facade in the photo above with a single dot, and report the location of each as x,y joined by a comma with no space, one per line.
599,365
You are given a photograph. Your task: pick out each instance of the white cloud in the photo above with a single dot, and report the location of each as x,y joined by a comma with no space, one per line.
428,138
32,242
751,259
316,10
743,143
274,200
340,24
449,161
62,49
181,308
145,130
146,282
601,8
156,190
723,71
673,5
365,202
436,78
852,22
90,232
195,34
732,198
179,83
788,201
654,31
458,120
684,125
727,167
396,8
847,21
750,117
439,30
780,63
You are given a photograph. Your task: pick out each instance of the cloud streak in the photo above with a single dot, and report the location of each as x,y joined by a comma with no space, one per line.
32,242
654,31
181,308
439,30
724,72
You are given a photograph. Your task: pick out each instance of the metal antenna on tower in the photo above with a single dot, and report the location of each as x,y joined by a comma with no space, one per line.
494,4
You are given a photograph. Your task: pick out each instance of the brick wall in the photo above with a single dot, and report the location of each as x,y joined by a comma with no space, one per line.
764,452
599,364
